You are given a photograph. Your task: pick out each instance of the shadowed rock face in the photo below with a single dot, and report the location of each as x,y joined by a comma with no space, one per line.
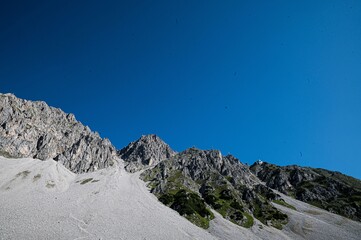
329,190
147,151
33,129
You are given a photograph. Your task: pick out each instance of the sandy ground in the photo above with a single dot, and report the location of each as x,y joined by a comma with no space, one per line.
43,200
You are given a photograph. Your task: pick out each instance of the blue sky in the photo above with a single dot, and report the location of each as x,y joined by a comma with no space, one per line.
273,80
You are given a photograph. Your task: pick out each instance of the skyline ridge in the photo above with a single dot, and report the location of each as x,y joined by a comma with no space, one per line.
159,138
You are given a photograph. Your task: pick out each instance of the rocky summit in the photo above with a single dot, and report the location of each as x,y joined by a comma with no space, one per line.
147,151
33,129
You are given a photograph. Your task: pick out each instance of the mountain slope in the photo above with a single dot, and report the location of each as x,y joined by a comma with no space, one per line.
114,204
194,181
50,202
329,190
33,129
212,191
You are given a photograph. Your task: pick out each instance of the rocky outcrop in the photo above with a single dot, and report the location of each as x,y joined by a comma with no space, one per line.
283,179
221,182
329,190
201,165
147,151
33,129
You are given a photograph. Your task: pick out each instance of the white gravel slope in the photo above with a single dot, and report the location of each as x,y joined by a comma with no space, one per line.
310,222
224,229
58,206
44,200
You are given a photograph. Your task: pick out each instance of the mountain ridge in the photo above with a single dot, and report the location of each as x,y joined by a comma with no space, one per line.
332,191
198,184
34,129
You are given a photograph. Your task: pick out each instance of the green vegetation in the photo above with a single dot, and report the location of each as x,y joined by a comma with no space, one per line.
340,205
198,220
189,205
329,190
84,181
180,198
23,174
283,203
234,204
166,199
223,200
350,181
269,215
150,174
50,184
230,179
5,154
249,223
36,177
219,192
316,203
344,190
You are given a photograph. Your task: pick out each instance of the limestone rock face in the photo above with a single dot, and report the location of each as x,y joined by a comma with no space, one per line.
222,182
282,179
147,151
33,129
204,165
329,190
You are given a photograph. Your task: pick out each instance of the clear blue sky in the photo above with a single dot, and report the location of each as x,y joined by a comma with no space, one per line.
273,80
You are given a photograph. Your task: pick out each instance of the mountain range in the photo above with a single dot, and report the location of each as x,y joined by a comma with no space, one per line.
219,196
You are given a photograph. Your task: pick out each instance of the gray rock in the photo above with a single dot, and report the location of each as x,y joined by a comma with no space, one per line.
147,151
203,166
221,182
33,129
329,190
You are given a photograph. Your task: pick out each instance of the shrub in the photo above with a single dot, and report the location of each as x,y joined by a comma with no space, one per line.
236,205
226,195
166,199
189,203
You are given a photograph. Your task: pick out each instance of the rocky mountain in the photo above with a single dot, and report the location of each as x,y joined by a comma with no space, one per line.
33,129
198,184
329,190
147,151
113,204
194,181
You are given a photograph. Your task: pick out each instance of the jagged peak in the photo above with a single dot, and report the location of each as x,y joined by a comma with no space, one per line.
7,94
197,150
35,129
148,141
213,157
147,151
150,138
